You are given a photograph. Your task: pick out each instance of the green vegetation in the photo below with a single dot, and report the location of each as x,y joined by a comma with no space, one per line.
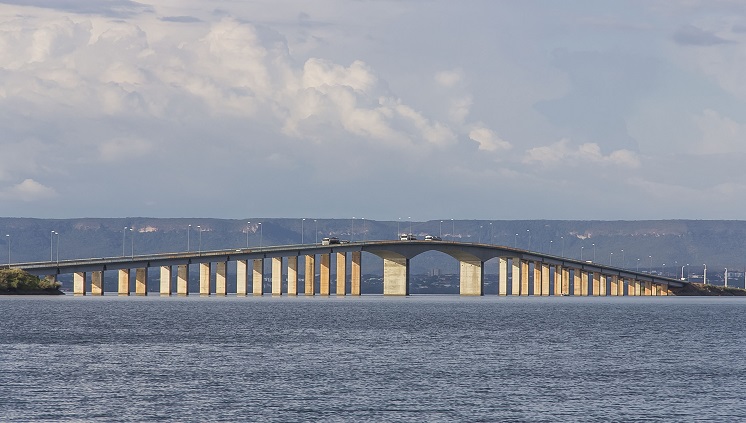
698,289
16,281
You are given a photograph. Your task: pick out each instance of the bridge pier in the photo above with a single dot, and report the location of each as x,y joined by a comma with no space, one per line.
565,281
276,276
584,283
141,281
341,274
355,273
310,275
79,283
395,275
257,279
614,285
648,289
204,279
165,288
596,284
537,278
182,279
292,275
471,277
124,282
221,283
502,284
515,276
545,279
242,277
97,282
325,275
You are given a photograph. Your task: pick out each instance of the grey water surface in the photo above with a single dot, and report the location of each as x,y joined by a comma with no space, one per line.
372,358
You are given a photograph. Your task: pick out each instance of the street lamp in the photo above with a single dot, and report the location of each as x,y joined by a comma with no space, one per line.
441,229
199,248
7,236
124,233
189,230
58,246
51,241
581,252
301,230
398,229
638,265
562,254
726,277
594,251
248,228
352,229
453,230
623,263
650,269
261,235
528,231
611,256
551,241
480,234
410,224
132,238
515,241
316,230
682,271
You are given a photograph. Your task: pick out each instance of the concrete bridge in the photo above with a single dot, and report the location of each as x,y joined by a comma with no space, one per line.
521,272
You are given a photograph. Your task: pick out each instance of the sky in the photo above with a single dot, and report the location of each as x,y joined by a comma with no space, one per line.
376,109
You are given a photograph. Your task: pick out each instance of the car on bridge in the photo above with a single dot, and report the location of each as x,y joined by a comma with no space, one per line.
433,238
330,240
407,237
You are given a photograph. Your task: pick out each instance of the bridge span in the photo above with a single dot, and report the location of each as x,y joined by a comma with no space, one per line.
520,272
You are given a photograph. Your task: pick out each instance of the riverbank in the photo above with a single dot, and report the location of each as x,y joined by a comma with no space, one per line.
698,289
18,282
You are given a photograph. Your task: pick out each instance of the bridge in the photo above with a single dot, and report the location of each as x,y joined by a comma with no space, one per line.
520,273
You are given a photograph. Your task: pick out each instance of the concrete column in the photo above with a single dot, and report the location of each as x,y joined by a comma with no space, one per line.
182,279
242,277
165,281
515,275
545,279
502,285
557,281
565,281
620,287
657,289
596,284
471,278
204,279
124,282
257,279
97,282
79,283
537,278
292,275
524,277
584,283
141,281
648,288
395,275
310,276
614,287
276,276
665,290
638,288
221,282
341,274
602,285
325,274
631,287
355,272
577,282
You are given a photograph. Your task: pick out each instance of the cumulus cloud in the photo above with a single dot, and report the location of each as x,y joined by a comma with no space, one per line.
563,152
449,78
488,140
28,190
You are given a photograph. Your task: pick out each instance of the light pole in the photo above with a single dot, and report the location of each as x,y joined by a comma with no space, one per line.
301,230
650,269
248,228
682,271
611,256
58,247
441,229
132,238
352,229
551,241
704,276
124,233
563,246
528,231
7,236
189,230
623,264
453,230
515,241
581,252
594,251
51,242
199,244
398,229
316,230
491,238
261,235
638,265
410,224
480,234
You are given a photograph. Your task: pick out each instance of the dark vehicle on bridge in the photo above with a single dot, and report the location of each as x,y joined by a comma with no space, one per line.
330,240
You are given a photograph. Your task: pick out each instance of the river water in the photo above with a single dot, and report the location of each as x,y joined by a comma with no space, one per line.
374,359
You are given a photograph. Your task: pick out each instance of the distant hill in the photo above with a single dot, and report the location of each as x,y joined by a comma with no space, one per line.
642,245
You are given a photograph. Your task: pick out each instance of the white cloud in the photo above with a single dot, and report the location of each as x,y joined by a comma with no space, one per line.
449,78
720,135
29,190
562,152
488,140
